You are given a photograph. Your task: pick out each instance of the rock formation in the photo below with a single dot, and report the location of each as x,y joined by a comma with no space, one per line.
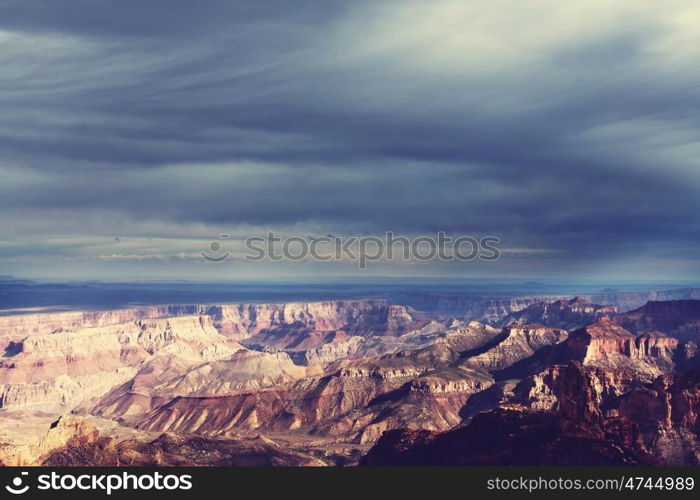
566,314
329,380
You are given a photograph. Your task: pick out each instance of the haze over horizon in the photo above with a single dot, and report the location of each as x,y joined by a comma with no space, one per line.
133,134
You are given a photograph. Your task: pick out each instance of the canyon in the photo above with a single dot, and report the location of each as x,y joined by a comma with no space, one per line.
361,381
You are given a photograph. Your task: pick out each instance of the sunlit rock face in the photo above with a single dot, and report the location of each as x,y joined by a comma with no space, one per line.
608,345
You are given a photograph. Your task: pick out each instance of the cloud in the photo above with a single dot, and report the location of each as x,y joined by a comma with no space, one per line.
571,128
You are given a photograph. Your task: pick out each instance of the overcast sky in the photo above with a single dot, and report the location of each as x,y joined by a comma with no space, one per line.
133,133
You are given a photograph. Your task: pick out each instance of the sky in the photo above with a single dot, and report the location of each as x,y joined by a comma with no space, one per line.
132,134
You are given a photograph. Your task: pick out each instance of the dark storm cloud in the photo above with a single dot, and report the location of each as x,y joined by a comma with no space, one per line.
155,18
344,116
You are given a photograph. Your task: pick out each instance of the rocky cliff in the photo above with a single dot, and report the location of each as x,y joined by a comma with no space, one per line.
677,318
59,370
566,314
